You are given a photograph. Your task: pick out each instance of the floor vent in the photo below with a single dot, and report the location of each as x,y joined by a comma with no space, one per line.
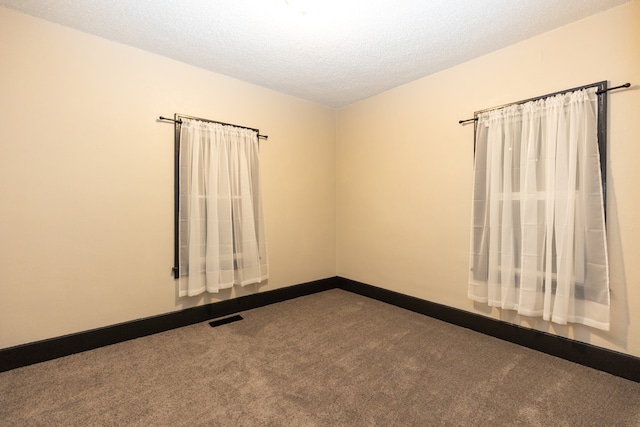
224,321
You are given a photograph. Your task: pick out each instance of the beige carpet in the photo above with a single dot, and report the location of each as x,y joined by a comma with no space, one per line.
328,359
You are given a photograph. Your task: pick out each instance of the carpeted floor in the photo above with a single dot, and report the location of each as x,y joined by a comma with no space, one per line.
328,359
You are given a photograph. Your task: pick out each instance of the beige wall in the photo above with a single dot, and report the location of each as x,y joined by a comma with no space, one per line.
86,179
404,168
86,175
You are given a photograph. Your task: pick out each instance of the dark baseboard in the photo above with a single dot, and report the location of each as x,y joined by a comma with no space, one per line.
619,364
40,351
615,363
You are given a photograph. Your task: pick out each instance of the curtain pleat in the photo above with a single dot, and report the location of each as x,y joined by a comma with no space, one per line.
538,241
221,233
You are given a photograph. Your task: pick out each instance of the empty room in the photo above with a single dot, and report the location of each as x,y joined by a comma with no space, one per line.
387,237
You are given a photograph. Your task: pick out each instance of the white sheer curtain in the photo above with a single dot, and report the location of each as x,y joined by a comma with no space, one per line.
221,232
538,243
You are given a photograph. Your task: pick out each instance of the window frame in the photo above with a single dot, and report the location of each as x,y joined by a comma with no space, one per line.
177,121
601,132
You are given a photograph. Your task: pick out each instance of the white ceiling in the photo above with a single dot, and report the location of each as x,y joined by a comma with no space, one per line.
335,53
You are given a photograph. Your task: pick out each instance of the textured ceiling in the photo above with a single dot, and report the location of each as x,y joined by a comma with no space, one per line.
333,52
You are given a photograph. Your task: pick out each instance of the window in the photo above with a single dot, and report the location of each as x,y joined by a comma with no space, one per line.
538,243
219,222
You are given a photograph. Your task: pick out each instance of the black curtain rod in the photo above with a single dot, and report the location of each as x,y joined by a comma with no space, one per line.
211,121
600,92
613,88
